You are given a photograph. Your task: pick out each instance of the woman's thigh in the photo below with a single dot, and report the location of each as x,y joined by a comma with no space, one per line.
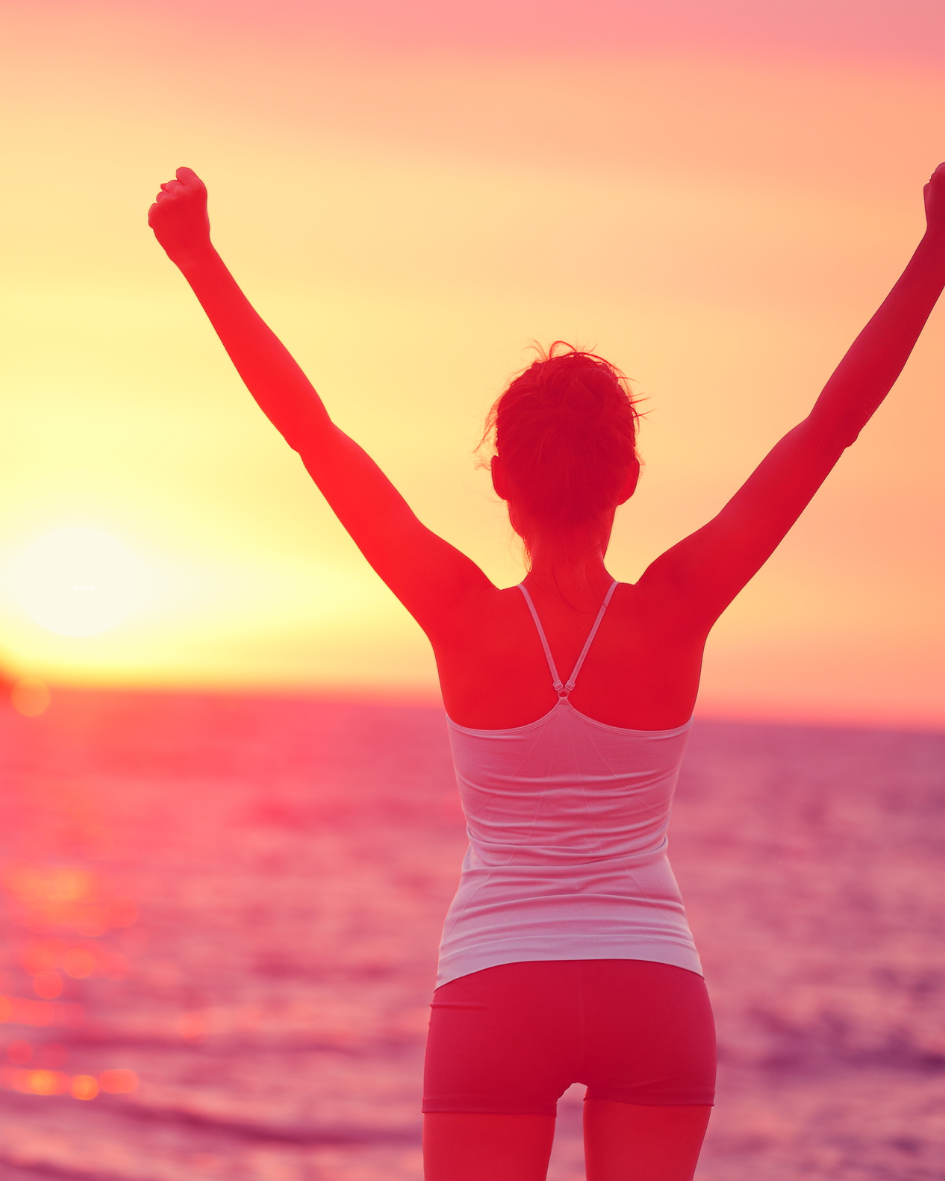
624,1140
477,1147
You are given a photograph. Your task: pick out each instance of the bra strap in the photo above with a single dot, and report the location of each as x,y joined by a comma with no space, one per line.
557,683
587,643
564,688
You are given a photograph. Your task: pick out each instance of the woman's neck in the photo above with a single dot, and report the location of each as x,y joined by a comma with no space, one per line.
570,566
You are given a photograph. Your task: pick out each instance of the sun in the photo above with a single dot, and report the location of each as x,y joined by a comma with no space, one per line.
79,581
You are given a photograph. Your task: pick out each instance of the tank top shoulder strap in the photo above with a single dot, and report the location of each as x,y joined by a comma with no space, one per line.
556,680
563,688
569,684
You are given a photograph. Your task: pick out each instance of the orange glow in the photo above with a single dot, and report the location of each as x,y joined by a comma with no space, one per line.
65,896
21,1011
52,884
55,1082
408,219
41,1082
47,1081
84,1086
30,696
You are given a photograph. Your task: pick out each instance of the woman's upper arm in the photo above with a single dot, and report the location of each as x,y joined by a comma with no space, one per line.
710,567
707,569
427,574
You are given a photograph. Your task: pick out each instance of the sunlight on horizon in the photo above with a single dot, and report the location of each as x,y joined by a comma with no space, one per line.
79,581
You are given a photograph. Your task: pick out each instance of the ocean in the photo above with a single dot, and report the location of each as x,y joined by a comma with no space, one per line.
222,913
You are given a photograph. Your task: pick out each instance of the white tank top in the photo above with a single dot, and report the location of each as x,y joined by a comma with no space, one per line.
567,822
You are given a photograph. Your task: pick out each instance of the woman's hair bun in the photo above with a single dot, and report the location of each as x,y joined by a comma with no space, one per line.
565,429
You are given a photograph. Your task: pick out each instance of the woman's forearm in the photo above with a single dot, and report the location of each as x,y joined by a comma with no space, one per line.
874,361
283,392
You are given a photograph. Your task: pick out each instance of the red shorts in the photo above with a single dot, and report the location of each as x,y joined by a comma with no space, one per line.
511,1039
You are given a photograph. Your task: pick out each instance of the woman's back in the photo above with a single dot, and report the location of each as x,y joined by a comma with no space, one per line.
567,819
641,672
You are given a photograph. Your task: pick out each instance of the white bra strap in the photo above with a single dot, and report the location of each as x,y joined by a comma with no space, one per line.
563,689
587,643
557,682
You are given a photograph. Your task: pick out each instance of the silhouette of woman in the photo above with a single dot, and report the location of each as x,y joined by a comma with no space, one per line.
566,956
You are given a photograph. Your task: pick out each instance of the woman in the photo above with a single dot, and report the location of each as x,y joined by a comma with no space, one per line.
566,956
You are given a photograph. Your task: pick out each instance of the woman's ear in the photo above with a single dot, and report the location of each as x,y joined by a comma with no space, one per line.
630,483
499,478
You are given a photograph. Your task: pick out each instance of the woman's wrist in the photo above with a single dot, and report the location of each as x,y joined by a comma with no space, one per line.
931,252
195,259
935,237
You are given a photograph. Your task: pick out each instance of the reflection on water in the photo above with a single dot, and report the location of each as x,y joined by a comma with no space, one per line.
221,918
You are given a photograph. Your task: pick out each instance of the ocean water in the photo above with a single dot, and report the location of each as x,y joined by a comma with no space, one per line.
221,917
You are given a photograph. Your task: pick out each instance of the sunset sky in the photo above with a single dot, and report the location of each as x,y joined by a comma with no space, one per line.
714,196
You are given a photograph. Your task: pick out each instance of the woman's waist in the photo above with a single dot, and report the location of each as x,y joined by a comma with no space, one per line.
507,899
612,877
572,856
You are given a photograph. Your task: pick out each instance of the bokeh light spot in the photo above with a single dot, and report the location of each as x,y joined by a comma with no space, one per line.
78,962
50,884
45,1082
84,1086
47,985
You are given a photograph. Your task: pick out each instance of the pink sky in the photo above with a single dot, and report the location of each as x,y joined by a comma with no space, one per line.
839,28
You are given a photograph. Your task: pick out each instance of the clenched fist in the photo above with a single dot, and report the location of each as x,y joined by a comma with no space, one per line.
179,217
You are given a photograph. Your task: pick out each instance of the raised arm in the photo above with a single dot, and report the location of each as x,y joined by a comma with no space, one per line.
429,576
706,570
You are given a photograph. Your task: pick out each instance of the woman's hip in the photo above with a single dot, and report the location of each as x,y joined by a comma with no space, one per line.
514,1037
